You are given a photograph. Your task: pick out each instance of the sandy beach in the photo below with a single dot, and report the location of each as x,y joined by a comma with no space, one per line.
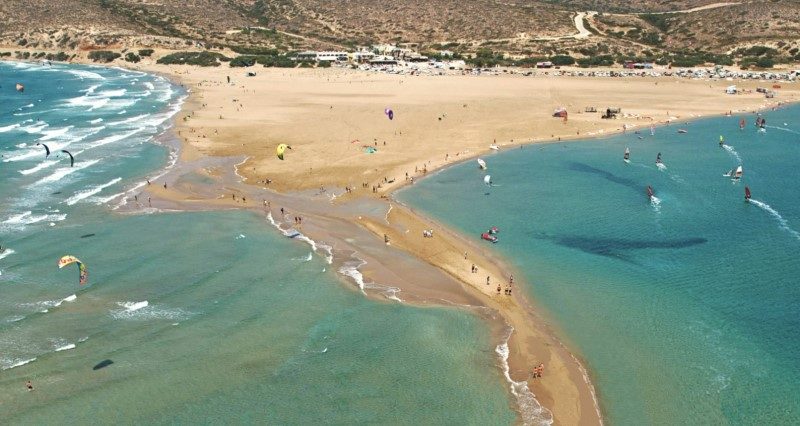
229,133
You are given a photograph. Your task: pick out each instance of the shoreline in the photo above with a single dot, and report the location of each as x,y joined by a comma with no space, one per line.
514,357
189,156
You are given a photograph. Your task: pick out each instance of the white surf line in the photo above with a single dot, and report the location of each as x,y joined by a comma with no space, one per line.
298,236
784,224
236,169
531,410
81,195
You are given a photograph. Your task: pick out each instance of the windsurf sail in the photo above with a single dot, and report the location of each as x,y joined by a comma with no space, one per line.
487,180
627,155
652,130
20,87
658,158
738,173
481,164
721,140
747,193
650,192
741,124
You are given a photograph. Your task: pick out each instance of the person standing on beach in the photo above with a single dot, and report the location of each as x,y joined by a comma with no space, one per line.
487,280
511,279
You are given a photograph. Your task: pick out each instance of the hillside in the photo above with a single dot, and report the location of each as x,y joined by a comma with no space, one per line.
644,29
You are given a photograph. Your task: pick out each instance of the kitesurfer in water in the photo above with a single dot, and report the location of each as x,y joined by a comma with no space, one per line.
29,385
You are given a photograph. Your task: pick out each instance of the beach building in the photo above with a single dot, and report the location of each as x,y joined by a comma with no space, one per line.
308,55
362,56
332,56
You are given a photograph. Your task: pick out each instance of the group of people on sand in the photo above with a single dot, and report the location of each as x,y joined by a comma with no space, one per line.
427,233
537,371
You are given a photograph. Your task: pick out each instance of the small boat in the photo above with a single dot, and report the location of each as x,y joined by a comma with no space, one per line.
481,164
682,131
627,157
650,192
746,194
488,237
493,230
293,233
494,147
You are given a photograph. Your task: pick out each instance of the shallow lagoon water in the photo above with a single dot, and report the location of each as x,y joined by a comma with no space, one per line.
686,310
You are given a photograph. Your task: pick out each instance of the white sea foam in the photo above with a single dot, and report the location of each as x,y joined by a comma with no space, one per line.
40,166
314,245
65,347
784,224
7,252
135,119
149,85
9,363
350,269
54,133
65,171
133,306
82,195
83,74
661,166
656,203
240,237
28,218
144,311
70,298
9,127
733,153
96,120
532,412
103,200
114,138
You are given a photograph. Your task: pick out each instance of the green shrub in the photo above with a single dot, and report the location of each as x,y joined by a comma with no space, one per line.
203,59
103,55
145,52
562,60
243,61
324,64
596,61
132,57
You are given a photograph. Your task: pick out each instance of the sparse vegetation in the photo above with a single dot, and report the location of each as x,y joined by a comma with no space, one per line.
103,56
145,52
203,59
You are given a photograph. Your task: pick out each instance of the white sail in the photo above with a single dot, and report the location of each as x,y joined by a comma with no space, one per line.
487,179
481,164
738,173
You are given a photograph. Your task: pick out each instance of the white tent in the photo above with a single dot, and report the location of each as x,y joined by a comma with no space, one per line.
731,90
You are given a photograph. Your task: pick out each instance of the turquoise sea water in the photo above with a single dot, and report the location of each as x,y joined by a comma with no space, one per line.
202,317
686,311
